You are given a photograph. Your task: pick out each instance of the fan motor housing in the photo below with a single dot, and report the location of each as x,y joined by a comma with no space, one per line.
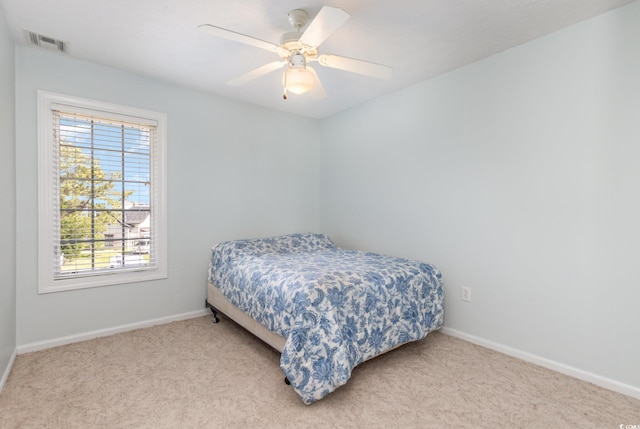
291,42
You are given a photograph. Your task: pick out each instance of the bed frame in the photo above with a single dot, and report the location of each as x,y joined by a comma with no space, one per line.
218,303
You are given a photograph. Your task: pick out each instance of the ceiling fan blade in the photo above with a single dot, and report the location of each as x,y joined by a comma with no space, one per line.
317,93
328,20
256,73
356,66
238,37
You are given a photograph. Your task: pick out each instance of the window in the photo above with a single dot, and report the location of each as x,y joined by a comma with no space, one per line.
102,205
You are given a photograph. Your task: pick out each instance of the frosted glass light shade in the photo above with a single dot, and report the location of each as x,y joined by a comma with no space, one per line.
298,80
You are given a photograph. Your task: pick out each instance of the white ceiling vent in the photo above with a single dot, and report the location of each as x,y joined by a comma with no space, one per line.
46,41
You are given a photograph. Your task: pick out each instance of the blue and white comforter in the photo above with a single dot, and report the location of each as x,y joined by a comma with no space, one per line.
335,307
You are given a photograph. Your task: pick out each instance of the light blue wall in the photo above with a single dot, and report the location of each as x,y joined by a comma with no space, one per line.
517,176
7,197
233,171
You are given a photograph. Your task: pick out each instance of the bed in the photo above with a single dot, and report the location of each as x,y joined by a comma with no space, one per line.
325,308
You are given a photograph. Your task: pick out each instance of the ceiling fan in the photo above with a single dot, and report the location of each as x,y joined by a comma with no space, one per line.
297,49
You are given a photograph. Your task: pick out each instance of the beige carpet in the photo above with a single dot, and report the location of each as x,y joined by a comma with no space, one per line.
194,374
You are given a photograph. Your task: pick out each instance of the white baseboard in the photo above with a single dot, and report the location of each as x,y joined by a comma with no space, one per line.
46,344
7,370
598,380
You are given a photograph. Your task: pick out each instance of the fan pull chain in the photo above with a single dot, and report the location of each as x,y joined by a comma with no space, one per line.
284,81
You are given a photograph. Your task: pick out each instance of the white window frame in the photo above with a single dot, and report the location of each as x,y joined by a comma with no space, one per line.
46,241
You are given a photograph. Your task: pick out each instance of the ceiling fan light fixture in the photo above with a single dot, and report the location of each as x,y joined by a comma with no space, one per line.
297,79
297,47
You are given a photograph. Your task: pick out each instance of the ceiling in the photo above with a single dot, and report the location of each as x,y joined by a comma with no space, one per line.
420,39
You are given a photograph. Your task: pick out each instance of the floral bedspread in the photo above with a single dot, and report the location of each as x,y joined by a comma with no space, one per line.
335,307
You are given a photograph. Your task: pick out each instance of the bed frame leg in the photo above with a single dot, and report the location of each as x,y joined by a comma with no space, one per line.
213,310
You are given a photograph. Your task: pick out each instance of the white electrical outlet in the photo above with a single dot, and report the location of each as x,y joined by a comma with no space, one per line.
466,294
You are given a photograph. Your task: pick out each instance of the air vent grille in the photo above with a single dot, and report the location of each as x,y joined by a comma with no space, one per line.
46,41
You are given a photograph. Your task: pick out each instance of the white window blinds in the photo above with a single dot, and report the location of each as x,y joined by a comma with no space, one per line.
104,203
103,200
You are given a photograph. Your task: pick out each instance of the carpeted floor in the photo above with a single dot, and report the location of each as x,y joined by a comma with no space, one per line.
194,374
